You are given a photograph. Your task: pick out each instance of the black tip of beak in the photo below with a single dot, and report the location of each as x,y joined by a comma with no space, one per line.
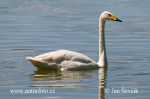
118,20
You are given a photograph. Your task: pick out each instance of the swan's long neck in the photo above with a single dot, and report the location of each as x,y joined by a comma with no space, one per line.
102,48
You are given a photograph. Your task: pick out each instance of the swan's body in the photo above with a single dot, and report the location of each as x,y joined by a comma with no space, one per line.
69,60
62,60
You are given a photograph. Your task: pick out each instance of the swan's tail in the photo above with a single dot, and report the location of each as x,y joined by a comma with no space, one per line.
37,63
42,64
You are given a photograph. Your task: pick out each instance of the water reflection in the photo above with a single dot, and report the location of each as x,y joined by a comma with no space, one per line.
102,82
63,79
66,79
63,76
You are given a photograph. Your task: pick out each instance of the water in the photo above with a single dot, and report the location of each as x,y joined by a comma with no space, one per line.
33,27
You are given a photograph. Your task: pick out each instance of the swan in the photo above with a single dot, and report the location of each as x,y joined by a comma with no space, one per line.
70,60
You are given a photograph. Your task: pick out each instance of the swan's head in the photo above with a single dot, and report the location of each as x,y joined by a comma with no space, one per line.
105,16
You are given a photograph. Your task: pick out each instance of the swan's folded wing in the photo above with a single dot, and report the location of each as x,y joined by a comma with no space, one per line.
63,60
55,56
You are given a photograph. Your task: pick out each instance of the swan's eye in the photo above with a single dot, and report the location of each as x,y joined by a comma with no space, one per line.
109,15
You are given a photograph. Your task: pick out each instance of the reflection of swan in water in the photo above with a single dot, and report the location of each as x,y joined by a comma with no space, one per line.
63,76
102,82
66,79
69,60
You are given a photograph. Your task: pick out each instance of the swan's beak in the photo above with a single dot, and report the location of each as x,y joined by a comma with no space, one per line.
114,18
118,20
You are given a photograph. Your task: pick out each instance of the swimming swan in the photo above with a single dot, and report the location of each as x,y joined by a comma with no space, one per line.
69,60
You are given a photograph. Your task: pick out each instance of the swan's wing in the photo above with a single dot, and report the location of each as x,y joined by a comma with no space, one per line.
63,59
55,56
76,65
60,55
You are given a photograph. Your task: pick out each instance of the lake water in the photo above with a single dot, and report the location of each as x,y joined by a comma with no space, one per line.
33,27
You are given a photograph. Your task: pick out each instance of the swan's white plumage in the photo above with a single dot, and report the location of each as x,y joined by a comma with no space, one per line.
69,60
63,60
